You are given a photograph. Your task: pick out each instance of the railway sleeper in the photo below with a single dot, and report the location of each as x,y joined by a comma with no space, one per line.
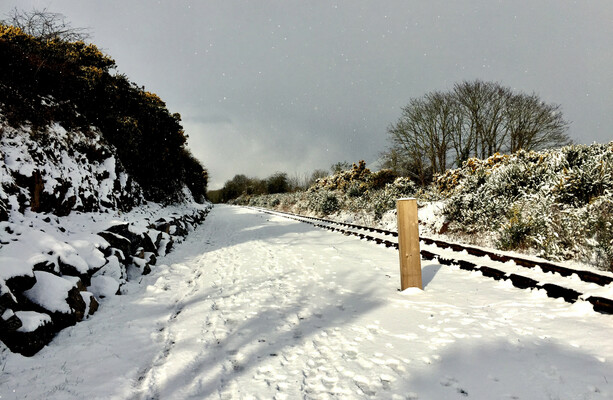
493,273
522,282
556,291
601,304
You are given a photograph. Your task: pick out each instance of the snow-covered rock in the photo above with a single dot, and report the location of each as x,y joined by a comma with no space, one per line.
70,230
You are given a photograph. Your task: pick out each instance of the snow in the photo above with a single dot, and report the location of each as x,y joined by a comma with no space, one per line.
256,306
14,266
31,320
50,292
112,269
104,286
89,248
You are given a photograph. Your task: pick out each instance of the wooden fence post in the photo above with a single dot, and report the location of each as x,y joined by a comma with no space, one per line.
408,244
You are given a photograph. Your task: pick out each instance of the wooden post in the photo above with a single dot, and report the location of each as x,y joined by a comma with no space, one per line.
408,244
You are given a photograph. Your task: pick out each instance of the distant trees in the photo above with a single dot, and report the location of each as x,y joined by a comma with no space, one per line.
242,185
475,119
278,182
315,175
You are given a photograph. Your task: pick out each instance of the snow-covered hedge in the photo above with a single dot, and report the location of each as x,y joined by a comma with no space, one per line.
557,204
354,196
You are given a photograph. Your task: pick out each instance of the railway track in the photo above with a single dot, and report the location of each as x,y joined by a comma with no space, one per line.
523,273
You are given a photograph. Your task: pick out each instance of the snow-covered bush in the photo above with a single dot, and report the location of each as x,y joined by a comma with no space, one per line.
553,202
323,202
358,195
557,204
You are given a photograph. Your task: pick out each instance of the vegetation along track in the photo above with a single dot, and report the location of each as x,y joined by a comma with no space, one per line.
463,256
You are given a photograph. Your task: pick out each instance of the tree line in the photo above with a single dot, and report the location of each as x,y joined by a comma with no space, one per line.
279,182
441,130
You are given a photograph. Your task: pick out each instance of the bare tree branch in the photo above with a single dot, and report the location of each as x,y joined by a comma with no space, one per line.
46,25
475,119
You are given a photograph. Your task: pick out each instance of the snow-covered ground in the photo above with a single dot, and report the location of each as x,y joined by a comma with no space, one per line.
258,306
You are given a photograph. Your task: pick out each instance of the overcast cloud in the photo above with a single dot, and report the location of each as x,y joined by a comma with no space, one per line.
266,86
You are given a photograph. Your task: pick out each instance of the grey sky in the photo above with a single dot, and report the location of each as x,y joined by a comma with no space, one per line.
266,86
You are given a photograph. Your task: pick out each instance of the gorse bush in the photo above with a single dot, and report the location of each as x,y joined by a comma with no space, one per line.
357,190
47,79
555,202
324,202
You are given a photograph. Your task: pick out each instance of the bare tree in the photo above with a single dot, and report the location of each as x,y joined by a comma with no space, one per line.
408,141
315,175
475,119
483,105
46,25
534,125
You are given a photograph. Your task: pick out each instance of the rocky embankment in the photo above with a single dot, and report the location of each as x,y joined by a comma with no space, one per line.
74,228
49,282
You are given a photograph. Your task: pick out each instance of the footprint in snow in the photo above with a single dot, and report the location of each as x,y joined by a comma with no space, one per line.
453,383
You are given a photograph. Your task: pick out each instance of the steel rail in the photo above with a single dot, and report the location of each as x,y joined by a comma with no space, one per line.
600,304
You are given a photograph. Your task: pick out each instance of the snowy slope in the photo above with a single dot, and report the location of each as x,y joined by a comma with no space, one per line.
58,171
255,306
60,191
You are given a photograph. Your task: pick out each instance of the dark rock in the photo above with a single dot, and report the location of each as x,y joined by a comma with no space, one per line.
73,299
11,324
93,305
136,240
117,241
180,228
158,239
4,211
71,270
80,284
120,229
163,227
77,305
66,206
151,258
47,266
29,343
147,244
169,245
18,284
6,302
113,252
140,253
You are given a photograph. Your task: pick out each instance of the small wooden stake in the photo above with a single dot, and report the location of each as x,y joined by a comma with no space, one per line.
408,244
